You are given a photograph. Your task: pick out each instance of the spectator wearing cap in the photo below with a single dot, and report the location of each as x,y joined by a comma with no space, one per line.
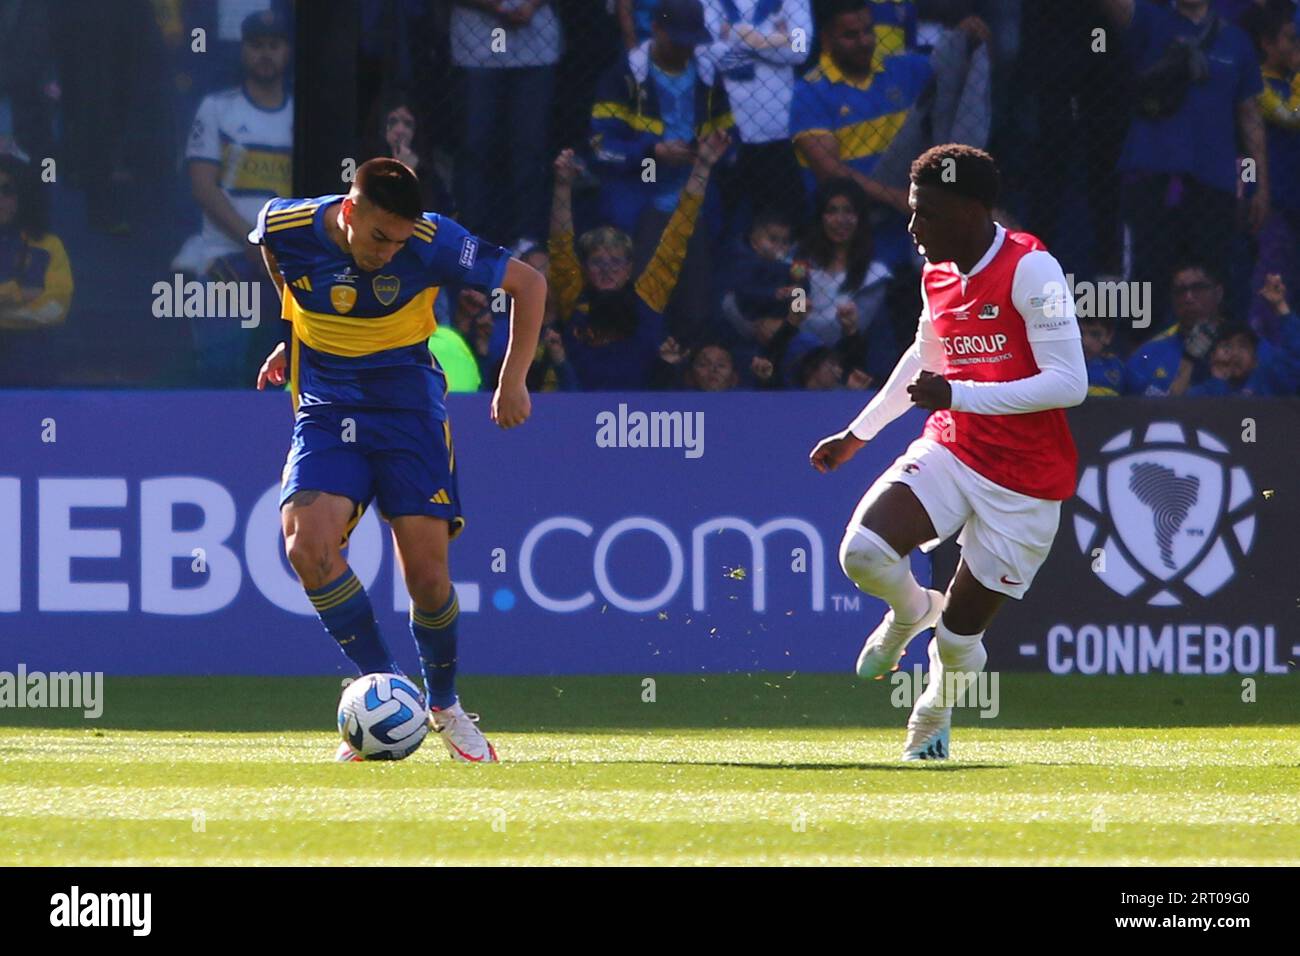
509,84
756,45
657,104
1175,359
1197,83
239,155
1243,364
651,112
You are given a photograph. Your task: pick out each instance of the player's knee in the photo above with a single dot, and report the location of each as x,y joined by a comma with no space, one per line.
866,557
429,587
311,557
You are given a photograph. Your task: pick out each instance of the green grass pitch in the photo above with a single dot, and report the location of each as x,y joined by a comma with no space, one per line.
724,769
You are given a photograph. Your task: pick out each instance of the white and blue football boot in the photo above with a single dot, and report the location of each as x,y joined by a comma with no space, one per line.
885,647
928,731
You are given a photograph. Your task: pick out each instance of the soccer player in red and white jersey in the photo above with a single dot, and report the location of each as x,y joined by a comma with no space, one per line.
997,358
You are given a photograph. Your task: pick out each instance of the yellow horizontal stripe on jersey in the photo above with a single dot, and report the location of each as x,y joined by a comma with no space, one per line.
353,335
424,227
259,170
611,109
870,137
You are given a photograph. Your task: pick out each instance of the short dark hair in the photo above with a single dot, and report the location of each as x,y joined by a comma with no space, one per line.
964,170
770,216
391,186
1196,265
1263,23
1232,330
830,9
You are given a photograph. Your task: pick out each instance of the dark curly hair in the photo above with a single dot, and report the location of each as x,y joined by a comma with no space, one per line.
965,170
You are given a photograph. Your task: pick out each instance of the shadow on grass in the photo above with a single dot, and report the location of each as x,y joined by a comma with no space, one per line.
751,702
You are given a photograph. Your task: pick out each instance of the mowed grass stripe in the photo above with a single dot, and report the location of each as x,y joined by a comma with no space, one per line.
602,842
529,806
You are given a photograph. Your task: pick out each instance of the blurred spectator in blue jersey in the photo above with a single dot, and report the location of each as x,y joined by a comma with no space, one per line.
28,84
650,114
1105,368
1196,87
846,285
506,51
858,109
614,323
756,46
1176,358
1273,30
1241,363
758,282
239,154
392,130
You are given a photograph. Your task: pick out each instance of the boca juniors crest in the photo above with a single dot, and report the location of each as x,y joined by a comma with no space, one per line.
386,288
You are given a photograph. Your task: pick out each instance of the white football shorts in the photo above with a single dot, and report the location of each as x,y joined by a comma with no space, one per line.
1005,536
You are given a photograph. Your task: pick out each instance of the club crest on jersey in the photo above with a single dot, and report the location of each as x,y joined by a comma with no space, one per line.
386,288
990,311
343,298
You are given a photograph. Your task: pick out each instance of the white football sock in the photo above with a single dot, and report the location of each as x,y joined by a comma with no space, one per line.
877,569
950,653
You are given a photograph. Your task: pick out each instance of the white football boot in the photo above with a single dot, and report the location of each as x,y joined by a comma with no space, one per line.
345,754
929,726
885,647
928,731
464,740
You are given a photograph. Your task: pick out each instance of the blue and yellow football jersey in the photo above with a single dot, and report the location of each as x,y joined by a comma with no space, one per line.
360,338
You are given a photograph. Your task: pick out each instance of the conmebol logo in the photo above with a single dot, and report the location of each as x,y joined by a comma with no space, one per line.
1173,519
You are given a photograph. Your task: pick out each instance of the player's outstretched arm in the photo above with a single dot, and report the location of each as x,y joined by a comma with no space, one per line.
890,402
511,405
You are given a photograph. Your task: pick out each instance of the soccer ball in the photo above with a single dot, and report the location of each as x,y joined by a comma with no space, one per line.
383,717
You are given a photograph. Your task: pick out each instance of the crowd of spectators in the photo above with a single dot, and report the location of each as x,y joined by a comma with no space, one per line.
716,189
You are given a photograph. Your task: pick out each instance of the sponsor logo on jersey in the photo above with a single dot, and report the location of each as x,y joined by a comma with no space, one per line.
990,311
343,298
468,252
386,288
974,344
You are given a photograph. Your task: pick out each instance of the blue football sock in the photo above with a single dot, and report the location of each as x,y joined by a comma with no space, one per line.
345,611
435,635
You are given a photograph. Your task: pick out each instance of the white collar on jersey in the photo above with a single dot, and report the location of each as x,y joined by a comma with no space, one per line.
999,235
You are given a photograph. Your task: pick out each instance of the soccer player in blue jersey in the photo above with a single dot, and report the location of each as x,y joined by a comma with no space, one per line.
357,276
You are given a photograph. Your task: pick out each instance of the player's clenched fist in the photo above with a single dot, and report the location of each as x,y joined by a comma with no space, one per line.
511,405
273,368
930,391
834,451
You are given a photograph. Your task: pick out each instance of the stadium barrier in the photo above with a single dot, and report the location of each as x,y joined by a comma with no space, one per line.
630,533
